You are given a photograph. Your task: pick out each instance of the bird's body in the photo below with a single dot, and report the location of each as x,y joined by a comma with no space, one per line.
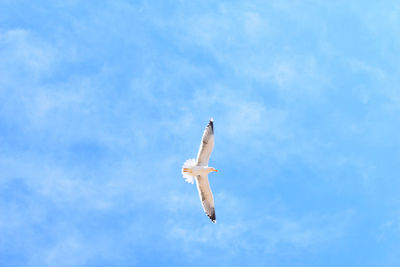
198,170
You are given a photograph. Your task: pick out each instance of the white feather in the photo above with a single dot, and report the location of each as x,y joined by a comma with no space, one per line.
190,163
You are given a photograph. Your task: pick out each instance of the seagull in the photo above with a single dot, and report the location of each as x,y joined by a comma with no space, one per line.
197,169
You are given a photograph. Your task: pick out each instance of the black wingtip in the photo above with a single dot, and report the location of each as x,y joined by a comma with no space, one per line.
211,124
212,218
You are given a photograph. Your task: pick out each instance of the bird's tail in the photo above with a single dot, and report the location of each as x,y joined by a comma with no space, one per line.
188,164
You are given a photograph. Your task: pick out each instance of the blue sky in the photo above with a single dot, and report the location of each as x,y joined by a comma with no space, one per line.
101,103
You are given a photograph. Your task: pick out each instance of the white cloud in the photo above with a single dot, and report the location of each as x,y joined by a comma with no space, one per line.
70,250
265,234
25,54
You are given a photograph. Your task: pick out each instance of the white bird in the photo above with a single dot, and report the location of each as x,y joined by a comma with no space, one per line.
198,170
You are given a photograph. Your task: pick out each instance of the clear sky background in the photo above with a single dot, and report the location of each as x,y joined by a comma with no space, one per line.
101,102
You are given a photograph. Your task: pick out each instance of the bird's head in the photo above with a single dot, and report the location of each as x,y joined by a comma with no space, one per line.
213,170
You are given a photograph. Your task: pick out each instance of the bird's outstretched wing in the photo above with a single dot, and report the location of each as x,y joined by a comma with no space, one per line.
206,196
206,145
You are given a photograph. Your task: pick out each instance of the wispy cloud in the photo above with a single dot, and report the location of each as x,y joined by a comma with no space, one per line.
266,234
101,105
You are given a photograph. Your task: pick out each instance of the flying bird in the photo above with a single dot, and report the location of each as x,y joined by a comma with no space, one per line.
197,169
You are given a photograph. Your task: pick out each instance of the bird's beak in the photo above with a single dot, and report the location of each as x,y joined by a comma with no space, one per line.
215,170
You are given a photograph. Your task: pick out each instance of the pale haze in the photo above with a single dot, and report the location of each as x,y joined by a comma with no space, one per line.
102,102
